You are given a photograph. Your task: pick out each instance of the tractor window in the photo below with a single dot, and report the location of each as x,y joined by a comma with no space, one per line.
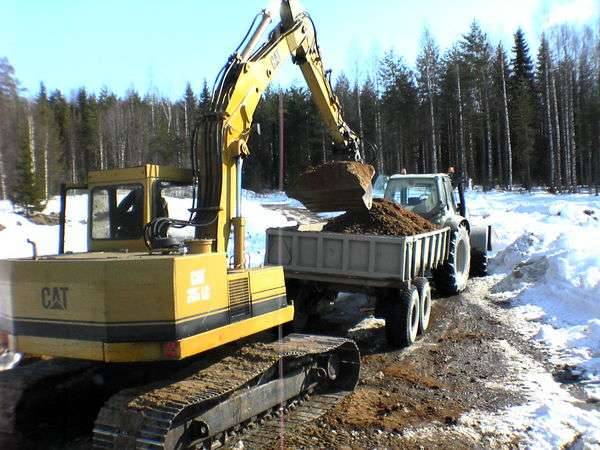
418,195
174,200
117,212
449,194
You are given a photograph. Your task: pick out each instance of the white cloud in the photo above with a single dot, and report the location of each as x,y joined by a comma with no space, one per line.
577,11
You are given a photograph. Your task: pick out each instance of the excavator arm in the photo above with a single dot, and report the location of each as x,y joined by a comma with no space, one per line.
220,141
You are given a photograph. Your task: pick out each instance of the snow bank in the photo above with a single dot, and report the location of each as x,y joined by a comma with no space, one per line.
548,249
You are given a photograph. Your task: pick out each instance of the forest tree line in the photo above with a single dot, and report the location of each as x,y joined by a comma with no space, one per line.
502,117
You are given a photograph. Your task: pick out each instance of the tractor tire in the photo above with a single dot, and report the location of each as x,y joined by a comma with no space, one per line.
424,290
479,263
402,318
451,278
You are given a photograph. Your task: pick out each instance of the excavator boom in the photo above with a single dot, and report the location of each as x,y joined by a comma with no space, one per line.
221,138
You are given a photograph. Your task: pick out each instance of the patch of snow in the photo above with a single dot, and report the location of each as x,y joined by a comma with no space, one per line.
551,418
9,359
363,328
546,255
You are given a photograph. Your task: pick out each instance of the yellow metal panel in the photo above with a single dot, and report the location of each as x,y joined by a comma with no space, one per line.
200,284
117,175
139,173
238,330
169,173
59,290
64,348
149,351
136,245
133,352
267,282
139,289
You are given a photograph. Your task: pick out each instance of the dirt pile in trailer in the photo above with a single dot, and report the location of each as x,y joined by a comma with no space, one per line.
335,186
385,218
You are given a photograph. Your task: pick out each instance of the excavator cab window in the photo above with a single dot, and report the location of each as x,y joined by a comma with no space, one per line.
117,212
173,199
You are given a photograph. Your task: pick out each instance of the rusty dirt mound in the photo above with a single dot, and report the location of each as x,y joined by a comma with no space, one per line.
335,186
385,218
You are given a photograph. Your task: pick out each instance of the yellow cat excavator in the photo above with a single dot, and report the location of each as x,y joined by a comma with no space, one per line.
130,327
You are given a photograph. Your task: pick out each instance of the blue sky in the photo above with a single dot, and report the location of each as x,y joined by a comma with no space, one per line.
161,44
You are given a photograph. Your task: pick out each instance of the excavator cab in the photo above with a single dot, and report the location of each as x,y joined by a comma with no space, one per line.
122,201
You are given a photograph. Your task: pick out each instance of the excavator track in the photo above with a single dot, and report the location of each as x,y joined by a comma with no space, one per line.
276,426
30,393
202,408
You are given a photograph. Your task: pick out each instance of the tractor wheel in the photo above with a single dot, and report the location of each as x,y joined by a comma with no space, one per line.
424,290
479,263
402,318
451,278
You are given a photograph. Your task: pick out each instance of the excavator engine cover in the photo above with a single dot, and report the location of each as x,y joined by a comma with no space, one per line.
335,186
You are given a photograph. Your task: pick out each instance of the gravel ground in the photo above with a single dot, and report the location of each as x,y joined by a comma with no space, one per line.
446,391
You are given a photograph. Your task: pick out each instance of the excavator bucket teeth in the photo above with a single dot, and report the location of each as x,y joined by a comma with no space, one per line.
335,186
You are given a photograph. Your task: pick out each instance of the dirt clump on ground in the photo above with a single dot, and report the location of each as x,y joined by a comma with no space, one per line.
385,218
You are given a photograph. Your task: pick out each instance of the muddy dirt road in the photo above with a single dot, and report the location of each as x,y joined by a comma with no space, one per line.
446,391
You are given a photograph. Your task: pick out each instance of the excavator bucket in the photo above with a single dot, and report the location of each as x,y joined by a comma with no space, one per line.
335,186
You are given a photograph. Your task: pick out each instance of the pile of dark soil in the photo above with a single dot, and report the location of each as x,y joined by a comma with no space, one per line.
385,218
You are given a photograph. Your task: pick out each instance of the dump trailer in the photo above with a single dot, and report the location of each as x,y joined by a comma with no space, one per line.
318,265
395,270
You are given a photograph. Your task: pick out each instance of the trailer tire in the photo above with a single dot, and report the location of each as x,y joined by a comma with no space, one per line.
479,263
451,278
402,318
424,290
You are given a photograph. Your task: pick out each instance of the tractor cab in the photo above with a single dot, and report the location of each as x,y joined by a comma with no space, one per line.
431,196
121,201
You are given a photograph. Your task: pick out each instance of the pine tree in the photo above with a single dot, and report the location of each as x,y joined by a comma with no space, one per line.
523,106
204,99
399,103
543,78
428,80
27,191
8,100
62,124
476,55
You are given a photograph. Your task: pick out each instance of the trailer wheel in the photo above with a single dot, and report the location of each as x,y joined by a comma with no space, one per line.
424,290
402,318
479,263
451,278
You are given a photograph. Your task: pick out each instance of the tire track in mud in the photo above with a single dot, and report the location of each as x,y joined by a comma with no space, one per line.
416,397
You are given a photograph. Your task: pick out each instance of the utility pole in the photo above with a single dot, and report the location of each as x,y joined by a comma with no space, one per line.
281,155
